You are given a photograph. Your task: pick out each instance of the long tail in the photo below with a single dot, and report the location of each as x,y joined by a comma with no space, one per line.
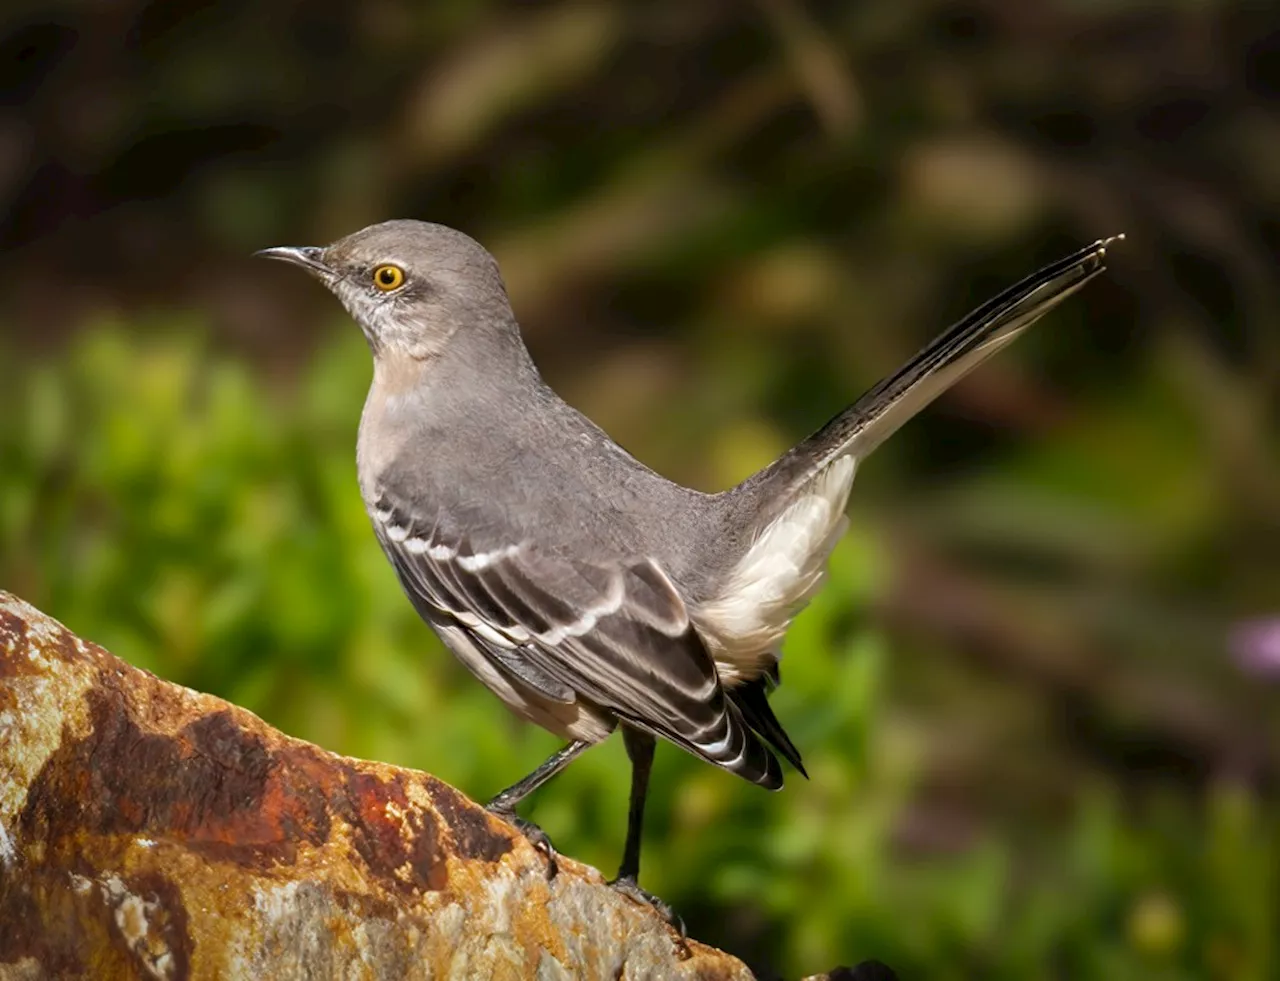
875,417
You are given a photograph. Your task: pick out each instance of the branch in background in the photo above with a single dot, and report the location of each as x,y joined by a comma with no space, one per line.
148,831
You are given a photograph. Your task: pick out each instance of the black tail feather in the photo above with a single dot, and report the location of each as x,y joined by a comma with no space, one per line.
752,701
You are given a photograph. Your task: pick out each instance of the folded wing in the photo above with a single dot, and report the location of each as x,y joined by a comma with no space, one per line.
615,633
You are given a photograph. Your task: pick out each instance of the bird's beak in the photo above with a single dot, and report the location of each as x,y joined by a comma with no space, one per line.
306,256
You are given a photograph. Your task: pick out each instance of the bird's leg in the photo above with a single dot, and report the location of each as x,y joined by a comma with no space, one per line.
504,804
640,747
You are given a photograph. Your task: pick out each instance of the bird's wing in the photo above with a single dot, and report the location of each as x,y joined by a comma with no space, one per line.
613,632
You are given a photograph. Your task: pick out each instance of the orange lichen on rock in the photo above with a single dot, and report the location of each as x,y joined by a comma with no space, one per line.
148,831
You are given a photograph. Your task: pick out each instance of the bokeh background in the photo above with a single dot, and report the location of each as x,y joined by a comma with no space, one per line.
1037,696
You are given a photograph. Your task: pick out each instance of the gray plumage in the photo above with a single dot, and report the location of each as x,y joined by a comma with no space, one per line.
582,587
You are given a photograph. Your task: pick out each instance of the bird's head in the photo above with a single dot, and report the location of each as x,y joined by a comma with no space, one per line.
410,285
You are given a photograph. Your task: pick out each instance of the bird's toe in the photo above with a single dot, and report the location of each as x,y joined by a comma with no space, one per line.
628,886
538,838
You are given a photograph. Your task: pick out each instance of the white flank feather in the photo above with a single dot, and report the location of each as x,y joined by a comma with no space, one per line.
744,624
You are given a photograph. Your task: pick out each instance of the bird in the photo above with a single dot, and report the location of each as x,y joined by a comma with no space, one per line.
587,591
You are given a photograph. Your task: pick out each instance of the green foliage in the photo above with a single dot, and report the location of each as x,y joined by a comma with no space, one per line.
163,500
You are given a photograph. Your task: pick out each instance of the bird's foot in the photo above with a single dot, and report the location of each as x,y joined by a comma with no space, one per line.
627,885
533,834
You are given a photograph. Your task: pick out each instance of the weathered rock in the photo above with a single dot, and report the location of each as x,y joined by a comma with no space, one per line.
148,831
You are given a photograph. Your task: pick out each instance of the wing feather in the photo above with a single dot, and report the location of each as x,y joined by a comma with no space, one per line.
614,633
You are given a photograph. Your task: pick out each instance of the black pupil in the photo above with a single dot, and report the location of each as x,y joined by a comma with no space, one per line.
387,277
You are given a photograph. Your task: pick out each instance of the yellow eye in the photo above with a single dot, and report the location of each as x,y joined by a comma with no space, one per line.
388,277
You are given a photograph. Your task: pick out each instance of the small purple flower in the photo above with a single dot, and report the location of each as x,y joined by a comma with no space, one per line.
1255,645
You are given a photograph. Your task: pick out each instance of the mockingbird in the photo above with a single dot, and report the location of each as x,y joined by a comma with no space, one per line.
586,590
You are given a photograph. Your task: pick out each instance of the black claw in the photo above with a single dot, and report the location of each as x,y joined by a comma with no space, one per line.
628,886
541,842
533,834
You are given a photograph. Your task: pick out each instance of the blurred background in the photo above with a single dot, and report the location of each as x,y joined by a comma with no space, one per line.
1037,697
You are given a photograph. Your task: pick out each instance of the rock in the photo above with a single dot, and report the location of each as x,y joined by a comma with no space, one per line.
149,831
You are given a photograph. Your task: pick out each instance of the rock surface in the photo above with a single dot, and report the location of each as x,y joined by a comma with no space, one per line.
148,831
